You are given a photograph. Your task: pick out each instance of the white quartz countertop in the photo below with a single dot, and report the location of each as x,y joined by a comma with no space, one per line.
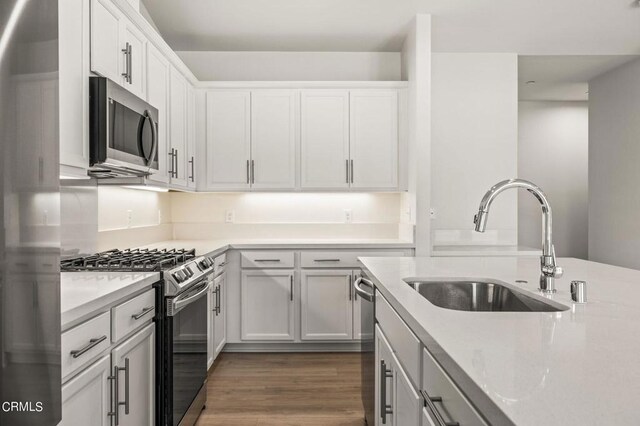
576,367
213,247
84,293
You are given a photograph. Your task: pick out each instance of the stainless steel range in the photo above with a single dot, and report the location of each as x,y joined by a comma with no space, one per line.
181,323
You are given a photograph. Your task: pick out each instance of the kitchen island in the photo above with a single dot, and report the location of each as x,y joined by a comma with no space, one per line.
573,367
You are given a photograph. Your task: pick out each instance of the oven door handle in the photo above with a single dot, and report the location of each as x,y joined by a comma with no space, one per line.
181,301
154,138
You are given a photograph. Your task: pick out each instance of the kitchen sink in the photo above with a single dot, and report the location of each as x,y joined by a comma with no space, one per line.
480,296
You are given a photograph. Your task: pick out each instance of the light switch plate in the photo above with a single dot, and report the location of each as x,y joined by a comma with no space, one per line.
348,216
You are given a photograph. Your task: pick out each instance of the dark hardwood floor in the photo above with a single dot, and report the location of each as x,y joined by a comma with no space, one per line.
316,389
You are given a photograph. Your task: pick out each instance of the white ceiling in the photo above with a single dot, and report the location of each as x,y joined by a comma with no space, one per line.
541,27
562,78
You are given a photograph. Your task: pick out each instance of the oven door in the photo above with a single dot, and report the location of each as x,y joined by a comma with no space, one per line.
186,355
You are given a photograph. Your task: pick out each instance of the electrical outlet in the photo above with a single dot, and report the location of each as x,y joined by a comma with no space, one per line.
230,216
129,218
348,216
159,216
433,214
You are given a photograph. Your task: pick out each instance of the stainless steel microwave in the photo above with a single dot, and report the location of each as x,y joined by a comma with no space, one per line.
123,132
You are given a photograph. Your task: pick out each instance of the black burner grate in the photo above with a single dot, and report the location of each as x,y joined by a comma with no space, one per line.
129,260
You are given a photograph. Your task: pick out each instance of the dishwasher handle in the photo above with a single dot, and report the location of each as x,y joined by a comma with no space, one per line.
360,291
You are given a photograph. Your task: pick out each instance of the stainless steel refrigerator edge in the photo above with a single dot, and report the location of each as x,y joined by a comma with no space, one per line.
30,392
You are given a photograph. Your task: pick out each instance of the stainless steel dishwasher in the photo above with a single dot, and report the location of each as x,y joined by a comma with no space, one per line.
368,354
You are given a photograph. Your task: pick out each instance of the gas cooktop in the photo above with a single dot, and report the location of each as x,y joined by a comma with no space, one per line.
143,260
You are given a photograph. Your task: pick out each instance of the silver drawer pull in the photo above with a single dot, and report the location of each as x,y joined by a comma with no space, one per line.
267,260
222,264
326,260
144,312
385,373
430,402
92,344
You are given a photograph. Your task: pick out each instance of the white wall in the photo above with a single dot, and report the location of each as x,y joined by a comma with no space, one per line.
416,69
474,144
292,66
614,167
553,147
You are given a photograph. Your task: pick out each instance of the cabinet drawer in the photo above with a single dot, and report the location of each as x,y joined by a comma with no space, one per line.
267,259
454,406
344,259
84,343
405,344
133,314
219,263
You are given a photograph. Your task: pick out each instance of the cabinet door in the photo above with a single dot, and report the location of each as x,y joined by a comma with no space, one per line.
73,30
178,127
211,318
106,53
158,70
191,137
228,139
324,145
384,380
327,305
86,400
220,333
137,354
407,403
267,302
374,139
273,139
136,69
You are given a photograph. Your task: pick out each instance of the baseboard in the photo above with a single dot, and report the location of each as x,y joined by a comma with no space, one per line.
293,347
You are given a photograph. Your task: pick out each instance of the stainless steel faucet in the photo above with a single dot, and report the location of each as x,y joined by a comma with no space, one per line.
548,268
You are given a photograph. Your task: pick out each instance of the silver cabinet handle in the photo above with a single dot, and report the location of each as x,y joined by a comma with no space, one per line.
216,308
177,162
130,65
291,288
116,403
92,344
253,171
384,407
126,52
351,171
430,402
326,260
349,287
347,167
144,312
192,169
172,171
40,169
267,260
360,291
248,173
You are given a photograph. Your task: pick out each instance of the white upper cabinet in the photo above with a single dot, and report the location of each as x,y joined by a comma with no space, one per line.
374,139
324,150
273,139
118,48
158,70
134,61
106,53
73,29
228,140
178,128
191,137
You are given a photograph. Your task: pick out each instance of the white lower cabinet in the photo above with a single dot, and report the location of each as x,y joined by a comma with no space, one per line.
217,324
327,304
397,402
107,383
86,399
134,363
267,304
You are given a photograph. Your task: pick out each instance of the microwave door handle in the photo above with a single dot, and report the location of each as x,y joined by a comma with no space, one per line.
154,138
